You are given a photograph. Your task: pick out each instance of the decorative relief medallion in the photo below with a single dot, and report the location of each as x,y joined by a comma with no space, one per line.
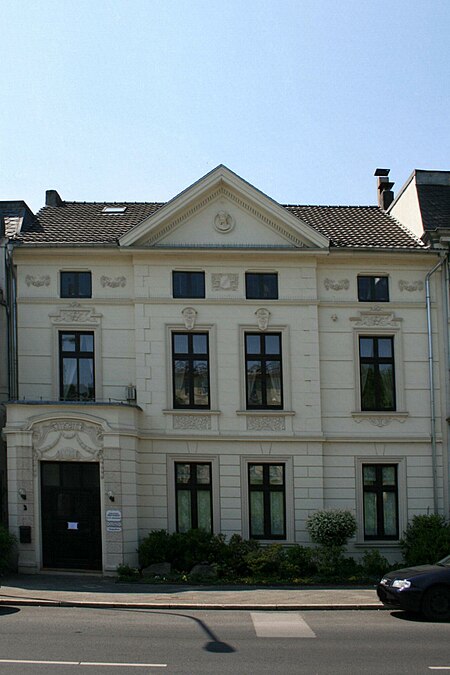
225,282
196,422
268,423
262,317
76,313
341,285
410,286
67,440
189,316
375,318
379,421
113,283
43,280
224,222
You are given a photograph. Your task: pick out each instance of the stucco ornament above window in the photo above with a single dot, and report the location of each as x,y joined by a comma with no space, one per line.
43,280
410,286
76,314
375,318
224,222
341,285
189,317
225,282
262,316
113,283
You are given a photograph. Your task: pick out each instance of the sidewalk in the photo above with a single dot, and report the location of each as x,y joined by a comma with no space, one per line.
103,592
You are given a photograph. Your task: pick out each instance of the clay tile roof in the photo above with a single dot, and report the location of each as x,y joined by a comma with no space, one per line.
85,223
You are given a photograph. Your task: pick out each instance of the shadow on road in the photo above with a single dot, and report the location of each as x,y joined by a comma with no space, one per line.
8,610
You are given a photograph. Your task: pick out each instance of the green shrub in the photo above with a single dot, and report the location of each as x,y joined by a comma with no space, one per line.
233,562
299,562
155,548
373,564
426,540
195,546
331,527
7,544
267,561
127,573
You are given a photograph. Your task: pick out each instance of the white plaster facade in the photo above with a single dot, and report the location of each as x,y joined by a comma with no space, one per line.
225,228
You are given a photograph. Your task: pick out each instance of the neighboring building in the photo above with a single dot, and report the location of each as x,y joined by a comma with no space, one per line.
219,361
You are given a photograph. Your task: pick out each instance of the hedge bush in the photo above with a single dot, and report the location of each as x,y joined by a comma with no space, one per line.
331,527
426,540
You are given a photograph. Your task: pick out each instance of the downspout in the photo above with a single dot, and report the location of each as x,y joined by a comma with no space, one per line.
12,321
431,382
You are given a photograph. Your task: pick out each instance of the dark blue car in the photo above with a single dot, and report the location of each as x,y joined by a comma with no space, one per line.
424,589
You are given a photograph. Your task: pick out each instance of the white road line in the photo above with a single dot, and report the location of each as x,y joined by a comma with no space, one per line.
281,625
85,663
438,667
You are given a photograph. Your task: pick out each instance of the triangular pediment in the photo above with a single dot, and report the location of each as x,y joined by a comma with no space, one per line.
221,210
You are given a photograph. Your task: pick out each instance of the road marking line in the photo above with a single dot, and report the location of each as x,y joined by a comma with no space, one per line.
438,667
281,625
85,663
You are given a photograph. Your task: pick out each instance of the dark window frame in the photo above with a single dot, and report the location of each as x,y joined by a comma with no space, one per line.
379,489
76,282
77,354
188,280
376,361
263,357
194,487
266,488
190,356
376,292
259,280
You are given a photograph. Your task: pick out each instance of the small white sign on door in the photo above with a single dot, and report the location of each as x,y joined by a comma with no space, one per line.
72,526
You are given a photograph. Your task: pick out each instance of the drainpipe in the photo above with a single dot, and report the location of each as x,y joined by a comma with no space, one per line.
12,321
431,382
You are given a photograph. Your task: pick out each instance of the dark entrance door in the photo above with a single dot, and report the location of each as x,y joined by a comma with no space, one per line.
70,515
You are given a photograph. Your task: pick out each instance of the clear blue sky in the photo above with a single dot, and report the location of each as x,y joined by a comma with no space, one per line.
136,99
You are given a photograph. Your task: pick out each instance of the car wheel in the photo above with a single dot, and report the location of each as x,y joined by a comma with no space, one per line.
436,604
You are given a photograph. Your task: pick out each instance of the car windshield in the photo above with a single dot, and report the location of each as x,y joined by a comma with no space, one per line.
445,562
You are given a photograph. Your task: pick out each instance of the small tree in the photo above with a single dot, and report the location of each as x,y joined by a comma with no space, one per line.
426,539
330,529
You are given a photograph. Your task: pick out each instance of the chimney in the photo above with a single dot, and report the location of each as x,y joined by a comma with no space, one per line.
52,198
384,186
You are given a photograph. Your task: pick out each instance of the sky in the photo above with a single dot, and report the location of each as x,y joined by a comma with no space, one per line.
134,100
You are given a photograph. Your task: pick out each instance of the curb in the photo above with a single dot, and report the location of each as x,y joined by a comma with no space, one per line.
192,606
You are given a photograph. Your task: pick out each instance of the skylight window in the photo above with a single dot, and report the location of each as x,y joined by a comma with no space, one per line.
114,209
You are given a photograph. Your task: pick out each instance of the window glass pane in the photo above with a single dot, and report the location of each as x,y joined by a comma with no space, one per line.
253,343
270,289
68,342
366,347
201,384
364,289
183,473
197,282
199,344
180,343
86,342
257,513
181,376
381,288
370,475
386,386
384,347
86,381
272,344
390,513
84,285
254,386
252,285
184,510
367,387
370,514
203,474
70,388
277,513
256,474
204,510
388,473
276,474
273,382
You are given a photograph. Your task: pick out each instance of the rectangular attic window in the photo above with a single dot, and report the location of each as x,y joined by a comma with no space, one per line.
114,209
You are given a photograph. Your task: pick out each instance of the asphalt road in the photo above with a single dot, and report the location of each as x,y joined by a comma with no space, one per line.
89,642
